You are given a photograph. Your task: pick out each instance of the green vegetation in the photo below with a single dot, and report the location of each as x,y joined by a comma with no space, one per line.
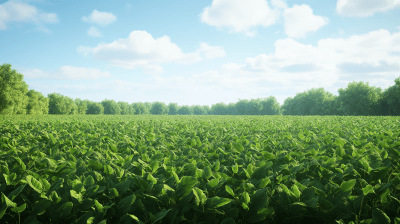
358,99
199,169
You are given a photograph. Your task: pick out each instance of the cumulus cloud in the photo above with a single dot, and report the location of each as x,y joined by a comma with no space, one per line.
94,32
240,16
362,8
140,49
66,73
300,20
14,11
100,18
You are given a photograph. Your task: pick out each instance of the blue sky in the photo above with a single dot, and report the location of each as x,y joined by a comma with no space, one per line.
199,52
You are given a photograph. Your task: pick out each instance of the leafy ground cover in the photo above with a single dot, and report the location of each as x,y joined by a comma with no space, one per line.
199,169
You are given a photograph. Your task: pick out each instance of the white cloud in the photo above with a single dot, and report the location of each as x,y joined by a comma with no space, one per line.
13,11
100,18
300,20
240,15
94,32
140,49
66,73
362,8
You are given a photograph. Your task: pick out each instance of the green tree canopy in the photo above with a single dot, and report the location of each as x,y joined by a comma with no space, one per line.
173,108
269,106
110,107
94,108
81,106
359,98
59,104
140,108
13,90
185,110
199,110
159,108
125,108
37,103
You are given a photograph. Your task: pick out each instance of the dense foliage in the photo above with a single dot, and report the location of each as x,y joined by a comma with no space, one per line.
358,99
199,169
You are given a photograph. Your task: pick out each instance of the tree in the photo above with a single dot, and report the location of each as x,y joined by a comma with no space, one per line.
110,107
199,110
173,108
269,106
81,105
140,108
125,108
241,106
13,90
94,108
37,103
389,103
59,104
185,110
207,109
231,109
159,108
358,99
219,109
287,107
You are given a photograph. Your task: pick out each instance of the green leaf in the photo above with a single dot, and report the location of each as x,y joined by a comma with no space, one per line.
54,197
235,168
212,183
325,204
161,215
126,202
245,198
200,197
19,161
308,194
114,193
268,156
40,207
7,201
35,184
228,220
9,178
3,210
108,170
154,166
260,172
206,172
99,206
238,146
87,204
185,187
15,192
55,186
368,189
259,200
216,202
89,181
347,185
65,209
19,209
379,217
230,191
123,186
76,195
296,191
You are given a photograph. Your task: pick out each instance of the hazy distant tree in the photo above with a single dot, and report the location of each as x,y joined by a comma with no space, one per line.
254,107
359,98
219,109
159,108
59,104
269,106
110,107
241,106
287,107
148,106
81,106
389,104
125,108
13,90
37,103
140,108
185,110
173,108
94,108
231,109
207,109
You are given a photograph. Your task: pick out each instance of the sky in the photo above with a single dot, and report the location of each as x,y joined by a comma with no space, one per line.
199,52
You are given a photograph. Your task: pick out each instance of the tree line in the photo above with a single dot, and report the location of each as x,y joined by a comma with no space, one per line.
358,99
